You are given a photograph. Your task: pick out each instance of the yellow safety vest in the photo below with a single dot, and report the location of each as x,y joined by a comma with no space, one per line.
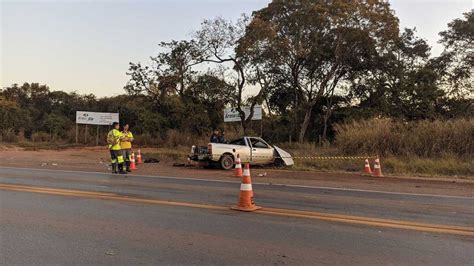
113,139
126,144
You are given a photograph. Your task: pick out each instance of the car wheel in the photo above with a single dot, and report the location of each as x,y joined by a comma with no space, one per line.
227,162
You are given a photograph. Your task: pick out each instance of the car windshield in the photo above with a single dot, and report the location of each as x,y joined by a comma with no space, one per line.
240,142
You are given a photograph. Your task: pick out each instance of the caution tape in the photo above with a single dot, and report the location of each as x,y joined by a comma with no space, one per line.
334,157
320,157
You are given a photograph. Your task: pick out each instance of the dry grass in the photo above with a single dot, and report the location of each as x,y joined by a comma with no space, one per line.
448,166
172,138
405,166
391,165
178,154
431,139
437,148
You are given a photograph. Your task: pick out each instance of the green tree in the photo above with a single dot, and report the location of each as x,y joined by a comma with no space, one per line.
316,44
13,116
218,41
403,82
457,59
178,62
213,94
170,72
56,125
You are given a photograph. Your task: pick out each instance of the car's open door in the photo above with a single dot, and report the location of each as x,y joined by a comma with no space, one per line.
261,152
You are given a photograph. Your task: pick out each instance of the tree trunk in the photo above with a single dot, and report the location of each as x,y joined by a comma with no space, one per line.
325,125
244,127
305,124
325,141
325,130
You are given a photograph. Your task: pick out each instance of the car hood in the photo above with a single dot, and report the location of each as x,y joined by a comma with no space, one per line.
285,156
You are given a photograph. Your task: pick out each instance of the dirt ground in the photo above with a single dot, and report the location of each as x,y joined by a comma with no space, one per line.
96,159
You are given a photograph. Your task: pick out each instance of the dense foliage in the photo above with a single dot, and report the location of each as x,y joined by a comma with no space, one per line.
312,64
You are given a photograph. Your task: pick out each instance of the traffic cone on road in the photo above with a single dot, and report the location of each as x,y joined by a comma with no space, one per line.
377,169
133,166
139,157
367,169
238,167
246,202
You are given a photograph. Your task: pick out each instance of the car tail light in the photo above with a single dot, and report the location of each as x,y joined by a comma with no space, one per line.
209,148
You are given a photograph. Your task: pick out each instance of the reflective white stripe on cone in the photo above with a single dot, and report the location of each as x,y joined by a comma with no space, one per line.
367,169
238,167
377,168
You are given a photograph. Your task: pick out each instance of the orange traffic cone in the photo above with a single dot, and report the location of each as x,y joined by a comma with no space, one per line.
246,202
367,169
133,166
238,167
139,157
377,168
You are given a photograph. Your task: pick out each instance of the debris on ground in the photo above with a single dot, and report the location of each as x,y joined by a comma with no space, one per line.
54,164
110,253
151,160
263,174
186,164
44,164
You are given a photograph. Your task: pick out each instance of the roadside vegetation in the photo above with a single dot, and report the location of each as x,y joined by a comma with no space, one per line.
353,84
418,138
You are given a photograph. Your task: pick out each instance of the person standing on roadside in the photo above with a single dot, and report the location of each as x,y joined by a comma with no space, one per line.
126,145
114,137
222,137
215,137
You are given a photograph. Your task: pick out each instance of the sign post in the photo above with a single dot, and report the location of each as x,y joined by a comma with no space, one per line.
85,136
94,118
97,137
77,141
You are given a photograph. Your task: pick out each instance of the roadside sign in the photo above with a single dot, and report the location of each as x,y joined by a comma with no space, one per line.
232,115
96,118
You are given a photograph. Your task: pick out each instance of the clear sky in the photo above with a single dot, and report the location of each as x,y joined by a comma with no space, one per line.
85,46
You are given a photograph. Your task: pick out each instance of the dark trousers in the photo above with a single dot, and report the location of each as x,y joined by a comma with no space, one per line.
127,154
116,158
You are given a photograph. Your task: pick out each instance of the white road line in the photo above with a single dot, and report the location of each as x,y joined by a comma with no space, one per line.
255,183
374,191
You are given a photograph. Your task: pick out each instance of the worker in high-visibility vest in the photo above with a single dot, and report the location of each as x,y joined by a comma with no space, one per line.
114,138
126,144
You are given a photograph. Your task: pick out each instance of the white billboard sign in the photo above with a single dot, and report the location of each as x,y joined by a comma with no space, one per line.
232,115
96,118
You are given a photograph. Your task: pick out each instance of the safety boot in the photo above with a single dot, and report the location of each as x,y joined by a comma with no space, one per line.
114,168
121,171
127,166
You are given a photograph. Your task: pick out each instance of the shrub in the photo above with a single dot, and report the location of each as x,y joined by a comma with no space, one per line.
146,139
40,137
176,138
8,135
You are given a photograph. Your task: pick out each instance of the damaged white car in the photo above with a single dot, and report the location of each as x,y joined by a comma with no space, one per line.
253,150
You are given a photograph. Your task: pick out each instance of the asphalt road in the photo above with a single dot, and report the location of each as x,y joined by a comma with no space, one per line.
67,217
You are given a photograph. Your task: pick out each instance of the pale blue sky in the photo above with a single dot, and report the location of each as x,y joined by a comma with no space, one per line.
85,46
